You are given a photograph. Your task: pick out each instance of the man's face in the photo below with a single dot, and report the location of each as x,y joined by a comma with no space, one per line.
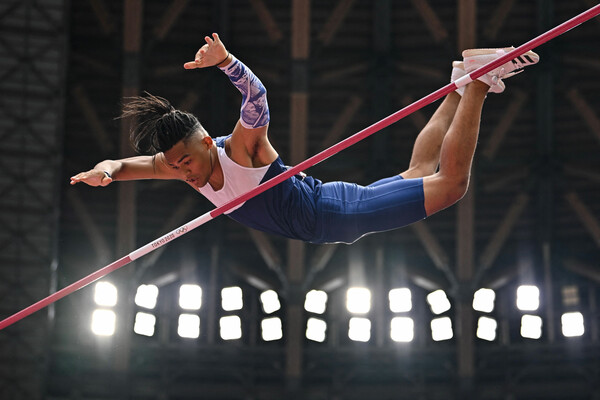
192,159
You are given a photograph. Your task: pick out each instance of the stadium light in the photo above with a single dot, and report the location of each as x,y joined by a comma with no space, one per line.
402,329
531,326
232,298
231,327
105,294
528,298
316,301
270,301
572,324
358,300
483,300
144,324
359,329
316,329
271,329
190,297
400,300
486,328
441,329
103,322
438,302
188,326
146,296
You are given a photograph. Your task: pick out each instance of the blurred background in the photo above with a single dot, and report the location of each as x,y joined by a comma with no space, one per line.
494,298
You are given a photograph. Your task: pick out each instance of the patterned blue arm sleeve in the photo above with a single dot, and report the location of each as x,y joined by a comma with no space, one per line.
254,112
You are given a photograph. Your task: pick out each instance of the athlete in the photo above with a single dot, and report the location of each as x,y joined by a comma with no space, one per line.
302,207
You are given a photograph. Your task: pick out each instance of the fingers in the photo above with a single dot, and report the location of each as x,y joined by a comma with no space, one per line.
191,65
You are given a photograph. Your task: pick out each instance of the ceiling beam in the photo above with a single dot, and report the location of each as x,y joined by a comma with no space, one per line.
587,219
505,123
431,20
585,110
267,20
162,29
497,18
333,23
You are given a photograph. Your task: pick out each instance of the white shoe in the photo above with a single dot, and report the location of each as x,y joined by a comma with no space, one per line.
476,58
458,71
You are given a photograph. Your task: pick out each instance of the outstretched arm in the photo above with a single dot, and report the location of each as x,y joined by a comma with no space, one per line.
128,169
254,111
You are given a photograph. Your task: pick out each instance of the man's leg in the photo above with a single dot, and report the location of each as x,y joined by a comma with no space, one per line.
450,183
426,150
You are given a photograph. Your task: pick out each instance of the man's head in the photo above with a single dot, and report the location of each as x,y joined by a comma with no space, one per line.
159,125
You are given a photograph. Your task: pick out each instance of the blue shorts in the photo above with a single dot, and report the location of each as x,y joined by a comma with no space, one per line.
348,211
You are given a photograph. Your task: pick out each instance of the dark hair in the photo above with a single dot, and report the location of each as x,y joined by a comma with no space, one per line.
159,125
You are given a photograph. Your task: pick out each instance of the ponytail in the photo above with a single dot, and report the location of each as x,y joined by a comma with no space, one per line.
159,125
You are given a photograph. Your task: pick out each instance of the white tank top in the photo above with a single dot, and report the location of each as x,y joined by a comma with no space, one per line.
237,181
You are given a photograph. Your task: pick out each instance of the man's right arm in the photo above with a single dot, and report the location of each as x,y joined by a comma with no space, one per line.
127,169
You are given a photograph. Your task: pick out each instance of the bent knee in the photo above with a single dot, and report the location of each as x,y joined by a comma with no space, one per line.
441,192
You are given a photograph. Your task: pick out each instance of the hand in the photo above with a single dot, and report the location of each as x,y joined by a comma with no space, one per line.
209,55
93,177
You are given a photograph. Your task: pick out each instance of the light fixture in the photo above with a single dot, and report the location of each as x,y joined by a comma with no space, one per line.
105,294
190,297
270,301
316,329
483,300
358,300
441,329
572,324
438,302
146,296
103,322
188,326
528,298
231,298
402,329
486,328
400,300
271,329
531,326
359,329
316,301
144,324
231,327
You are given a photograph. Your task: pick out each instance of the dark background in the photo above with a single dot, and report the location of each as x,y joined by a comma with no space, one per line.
332,68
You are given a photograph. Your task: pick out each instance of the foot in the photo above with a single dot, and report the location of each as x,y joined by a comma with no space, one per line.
458,71
476,58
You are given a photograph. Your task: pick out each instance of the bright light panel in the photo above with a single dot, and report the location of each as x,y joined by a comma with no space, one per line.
270,301
400,300
316,329
358,300
483,300
144,324
441,329
528,298
531,326
190,297
105,294
438,302
231,298
271,329
572,324
146,296
188,326
103,322
486,328
231,327
316,301
402,329
359,329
